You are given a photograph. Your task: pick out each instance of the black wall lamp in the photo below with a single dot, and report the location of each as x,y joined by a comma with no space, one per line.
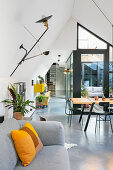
44,53
45,22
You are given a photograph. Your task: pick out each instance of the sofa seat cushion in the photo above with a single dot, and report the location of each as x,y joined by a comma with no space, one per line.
8,155
50,158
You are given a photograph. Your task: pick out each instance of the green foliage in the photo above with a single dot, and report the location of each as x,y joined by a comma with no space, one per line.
110,90
41,98
41,78
17,102
84,92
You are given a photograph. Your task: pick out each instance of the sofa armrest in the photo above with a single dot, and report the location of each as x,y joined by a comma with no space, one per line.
50,132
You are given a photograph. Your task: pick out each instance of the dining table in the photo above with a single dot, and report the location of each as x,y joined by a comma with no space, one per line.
90,101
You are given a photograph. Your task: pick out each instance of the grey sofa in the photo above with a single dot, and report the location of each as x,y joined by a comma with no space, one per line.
53,156
94,91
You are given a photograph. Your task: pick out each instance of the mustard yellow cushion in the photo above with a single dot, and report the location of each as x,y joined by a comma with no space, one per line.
27,143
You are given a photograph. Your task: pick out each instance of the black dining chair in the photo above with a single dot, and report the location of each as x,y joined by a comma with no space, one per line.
105,113
69,110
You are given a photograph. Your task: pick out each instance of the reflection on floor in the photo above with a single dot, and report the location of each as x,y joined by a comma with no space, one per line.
93,151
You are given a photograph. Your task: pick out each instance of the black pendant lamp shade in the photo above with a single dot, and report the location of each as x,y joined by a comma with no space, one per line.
46,53
45,19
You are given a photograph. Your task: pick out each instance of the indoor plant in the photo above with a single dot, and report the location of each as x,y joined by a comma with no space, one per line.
84,92
41,79
41,100
17,103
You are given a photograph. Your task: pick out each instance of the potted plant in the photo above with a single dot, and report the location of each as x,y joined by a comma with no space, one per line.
110,91
84,92
39,100
41,79
17,103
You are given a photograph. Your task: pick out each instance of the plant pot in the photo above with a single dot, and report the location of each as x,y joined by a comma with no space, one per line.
18,116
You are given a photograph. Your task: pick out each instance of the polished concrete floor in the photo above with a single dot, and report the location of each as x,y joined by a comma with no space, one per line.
94,151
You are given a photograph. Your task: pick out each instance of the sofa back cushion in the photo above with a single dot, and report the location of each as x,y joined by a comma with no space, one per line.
89,89
50,132
8,156
97,89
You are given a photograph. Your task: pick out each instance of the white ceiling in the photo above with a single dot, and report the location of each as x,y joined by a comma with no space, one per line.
107,7
16,14
88,14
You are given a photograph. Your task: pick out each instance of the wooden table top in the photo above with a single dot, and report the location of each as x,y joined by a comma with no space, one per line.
90,100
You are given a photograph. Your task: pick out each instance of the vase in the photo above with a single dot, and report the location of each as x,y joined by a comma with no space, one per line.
103,98
96,97
18,116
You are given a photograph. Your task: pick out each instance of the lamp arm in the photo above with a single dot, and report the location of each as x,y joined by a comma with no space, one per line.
33,56
29,51
25,50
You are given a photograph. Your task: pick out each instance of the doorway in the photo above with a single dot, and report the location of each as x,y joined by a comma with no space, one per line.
91,74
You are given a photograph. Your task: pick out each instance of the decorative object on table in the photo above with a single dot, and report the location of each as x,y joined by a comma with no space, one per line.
42,118
17,103
96,97
103,98
27,143
45,22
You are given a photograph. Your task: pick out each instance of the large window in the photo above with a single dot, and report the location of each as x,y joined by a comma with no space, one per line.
92,65
111,71
69,77
92,75
93,53
88,41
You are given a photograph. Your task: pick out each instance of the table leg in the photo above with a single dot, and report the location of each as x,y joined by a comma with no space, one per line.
89,115
81,113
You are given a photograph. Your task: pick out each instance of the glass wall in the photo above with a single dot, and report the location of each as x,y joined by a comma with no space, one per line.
92,75
111,71
92,52
69,77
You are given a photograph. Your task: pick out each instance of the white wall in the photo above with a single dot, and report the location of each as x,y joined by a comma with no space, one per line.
60,81
67,37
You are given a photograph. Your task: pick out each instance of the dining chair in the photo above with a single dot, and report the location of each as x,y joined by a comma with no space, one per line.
69,110
105,113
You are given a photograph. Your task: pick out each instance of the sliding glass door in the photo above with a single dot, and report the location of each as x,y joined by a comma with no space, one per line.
92,75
